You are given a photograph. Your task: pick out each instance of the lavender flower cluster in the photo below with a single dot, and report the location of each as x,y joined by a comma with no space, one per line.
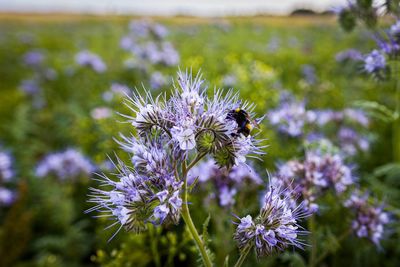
292,118
376,62
370,219
275,228
68,164
310,178
86,58
187,126
146,41
226,181
32,87
7,196
324,169
349,55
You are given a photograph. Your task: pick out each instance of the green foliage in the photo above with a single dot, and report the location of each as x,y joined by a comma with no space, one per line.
347,20
48,227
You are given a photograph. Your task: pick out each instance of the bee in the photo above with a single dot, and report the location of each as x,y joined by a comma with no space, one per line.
243,121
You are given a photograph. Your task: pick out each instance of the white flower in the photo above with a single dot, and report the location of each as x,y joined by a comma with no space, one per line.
185,137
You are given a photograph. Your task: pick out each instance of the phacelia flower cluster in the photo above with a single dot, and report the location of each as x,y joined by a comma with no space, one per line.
7,196
375,62
171,133
68,164
309,74
370,219
309,178
291,116
88,59
146,41
32,86
226,181
33,58
293,119
275,228
349,55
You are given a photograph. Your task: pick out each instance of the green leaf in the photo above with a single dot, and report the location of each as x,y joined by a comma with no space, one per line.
387,169
294,259
376,110
193,185
226,261
347,20
205,231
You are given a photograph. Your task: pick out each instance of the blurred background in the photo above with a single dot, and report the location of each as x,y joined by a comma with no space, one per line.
66,65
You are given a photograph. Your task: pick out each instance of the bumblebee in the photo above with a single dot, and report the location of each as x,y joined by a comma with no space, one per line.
242,119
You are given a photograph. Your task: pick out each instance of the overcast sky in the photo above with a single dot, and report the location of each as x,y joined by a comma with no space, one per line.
165,7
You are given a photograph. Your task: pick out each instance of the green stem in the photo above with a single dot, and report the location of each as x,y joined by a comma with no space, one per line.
194,162
327,252
188,219
154,249
313,237
396,122
243,256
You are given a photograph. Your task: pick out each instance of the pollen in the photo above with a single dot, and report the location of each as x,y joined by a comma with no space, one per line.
249,126
237,110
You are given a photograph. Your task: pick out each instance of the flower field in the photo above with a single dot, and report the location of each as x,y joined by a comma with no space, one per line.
243,141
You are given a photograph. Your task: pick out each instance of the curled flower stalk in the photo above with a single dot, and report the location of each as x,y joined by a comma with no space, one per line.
172,135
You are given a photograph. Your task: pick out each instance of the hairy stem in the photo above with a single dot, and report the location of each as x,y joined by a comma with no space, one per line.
313,241
188,219
243,256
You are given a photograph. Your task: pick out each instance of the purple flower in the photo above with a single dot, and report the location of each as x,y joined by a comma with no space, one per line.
33,58
157,80
350,54
160,31
139,28
170,131
309,178
356,115
146,41
127,43
189,116
291,116
370,219
395,29
226,196
134,199
86,58
351,141
6,167
374,62
161,212
63,165
170,56
30,87
309,74
273,44
7,196
275,228
226,181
